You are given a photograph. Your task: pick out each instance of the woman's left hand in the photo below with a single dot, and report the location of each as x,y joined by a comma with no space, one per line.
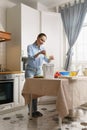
51,57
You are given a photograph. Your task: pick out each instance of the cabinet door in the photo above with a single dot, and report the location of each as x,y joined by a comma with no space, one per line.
21,83
13,48
51,24
30,25
16,80
24,24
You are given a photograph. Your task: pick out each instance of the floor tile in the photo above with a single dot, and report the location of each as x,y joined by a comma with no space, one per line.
19,120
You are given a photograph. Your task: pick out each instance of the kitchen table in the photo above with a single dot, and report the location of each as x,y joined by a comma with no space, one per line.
70,92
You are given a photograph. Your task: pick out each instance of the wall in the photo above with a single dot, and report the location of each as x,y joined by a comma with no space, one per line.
42,7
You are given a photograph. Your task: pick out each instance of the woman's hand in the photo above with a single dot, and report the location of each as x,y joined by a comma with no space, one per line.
51,57
43,52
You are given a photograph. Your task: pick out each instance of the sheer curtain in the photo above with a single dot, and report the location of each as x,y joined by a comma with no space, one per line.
72,17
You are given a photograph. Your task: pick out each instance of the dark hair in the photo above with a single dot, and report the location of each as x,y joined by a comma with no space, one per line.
42,34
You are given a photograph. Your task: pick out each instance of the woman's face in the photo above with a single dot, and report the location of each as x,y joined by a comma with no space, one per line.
41,40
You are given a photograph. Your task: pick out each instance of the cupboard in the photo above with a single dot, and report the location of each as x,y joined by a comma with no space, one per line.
24,24
51,24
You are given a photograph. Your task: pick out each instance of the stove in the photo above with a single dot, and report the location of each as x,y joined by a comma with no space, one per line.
6,76
8,89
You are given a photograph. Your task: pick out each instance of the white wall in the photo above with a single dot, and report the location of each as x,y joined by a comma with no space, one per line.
42,7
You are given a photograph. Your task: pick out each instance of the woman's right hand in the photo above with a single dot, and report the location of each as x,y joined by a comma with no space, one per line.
43,52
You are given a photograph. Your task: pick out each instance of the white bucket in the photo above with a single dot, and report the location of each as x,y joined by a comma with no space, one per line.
48,70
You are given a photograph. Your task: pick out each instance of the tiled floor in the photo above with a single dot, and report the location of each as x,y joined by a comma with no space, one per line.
19,120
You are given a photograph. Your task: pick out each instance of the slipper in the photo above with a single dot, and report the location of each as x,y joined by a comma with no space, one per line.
34,115
39,113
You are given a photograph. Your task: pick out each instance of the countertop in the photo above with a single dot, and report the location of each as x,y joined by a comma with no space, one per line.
11,72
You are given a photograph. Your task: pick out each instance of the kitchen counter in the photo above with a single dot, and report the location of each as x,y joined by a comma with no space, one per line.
11,72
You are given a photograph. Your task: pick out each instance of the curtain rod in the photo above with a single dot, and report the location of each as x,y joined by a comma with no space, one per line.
71,2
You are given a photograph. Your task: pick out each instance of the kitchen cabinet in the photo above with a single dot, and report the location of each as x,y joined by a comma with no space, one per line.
18,86
15,91
51,24
21,83
24,24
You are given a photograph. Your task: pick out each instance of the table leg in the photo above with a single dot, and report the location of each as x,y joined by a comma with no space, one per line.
30,106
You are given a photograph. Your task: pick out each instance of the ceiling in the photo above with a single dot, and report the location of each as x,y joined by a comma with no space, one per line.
48,3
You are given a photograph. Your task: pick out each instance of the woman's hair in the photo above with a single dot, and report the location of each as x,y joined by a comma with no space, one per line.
42,34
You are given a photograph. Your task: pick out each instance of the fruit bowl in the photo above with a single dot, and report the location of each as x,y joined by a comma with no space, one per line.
65,73
73,73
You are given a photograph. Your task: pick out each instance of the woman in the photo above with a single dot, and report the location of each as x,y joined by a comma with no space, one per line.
36,56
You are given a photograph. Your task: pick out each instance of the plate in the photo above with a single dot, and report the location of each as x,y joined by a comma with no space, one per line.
68,77
39,76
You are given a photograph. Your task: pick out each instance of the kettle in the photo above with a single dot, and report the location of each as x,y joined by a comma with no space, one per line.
48,70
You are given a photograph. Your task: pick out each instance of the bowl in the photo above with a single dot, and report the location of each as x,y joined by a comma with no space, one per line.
73,73
65,73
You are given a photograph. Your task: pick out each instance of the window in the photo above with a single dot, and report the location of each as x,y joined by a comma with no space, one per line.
80,47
